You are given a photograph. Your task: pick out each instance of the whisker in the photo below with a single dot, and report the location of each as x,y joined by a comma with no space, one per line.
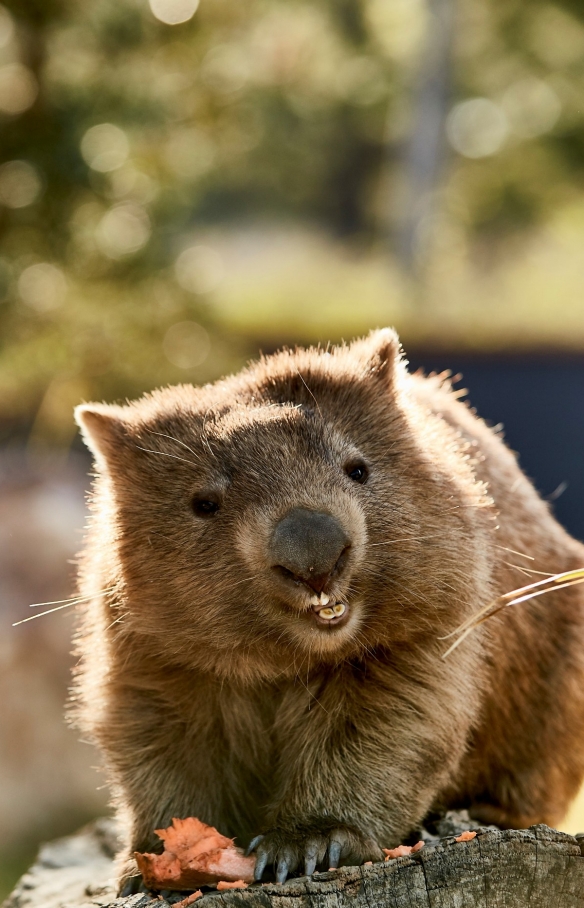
166,454
361,641
178,441
42,614
411,592
312,696
117,620
513,552
533,571
73,599
550,589
406,539
518,568
245,580
515,597
309,391
527,571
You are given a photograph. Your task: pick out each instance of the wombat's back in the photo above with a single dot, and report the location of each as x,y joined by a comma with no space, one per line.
527,754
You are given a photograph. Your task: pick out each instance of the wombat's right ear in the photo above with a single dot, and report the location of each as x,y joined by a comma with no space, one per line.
104,430
379,353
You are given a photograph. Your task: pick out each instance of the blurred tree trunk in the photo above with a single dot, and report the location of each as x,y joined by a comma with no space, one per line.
424,153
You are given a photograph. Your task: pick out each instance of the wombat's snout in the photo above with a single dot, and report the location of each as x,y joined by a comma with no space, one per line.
308,546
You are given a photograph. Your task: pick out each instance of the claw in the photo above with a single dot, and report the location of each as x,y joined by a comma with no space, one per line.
131,886
282,871
310,858
260,867
309,865
334,851
253,845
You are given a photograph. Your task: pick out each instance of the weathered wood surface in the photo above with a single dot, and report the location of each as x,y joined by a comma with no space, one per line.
532,868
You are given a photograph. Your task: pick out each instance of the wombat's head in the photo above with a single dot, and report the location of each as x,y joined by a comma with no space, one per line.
303,511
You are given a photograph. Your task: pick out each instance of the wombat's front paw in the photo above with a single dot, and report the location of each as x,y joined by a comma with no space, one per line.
289,848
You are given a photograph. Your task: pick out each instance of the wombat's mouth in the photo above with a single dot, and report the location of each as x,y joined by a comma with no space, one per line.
328,614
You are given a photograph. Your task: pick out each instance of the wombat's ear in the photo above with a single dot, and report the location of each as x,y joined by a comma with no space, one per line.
104,430
379,353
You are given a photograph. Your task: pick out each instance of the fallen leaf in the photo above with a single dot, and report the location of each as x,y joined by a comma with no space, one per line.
190,899
237,884
194,854
465,836
402,850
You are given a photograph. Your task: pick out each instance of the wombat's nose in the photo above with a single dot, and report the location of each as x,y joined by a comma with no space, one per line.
309,546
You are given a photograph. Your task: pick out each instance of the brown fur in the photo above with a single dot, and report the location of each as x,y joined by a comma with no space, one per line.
211,694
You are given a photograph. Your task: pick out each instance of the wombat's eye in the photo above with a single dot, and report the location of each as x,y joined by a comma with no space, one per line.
358,472
204,507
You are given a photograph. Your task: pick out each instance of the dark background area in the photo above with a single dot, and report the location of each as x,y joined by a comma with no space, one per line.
539,399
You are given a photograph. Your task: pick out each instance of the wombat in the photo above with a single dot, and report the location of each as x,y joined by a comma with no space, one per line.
271,565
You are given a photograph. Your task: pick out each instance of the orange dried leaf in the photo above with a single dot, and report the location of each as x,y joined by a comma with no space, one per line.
402,850
465,836
194,854
190,899
238,884
399,852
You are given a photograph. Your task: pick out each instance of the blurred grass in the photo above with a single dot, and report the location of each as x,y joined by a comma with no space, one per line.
304,286
284,283
13,866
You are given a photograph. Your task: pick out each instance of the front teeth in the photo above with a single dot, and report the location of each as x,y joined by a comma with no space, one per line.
335,612
324,610
321,599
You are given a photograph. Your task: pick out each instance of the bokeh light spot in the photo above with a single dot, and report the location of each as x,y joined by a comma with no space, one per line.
477,128
199,269
42,286
173,12
186,345
128,181
532,107
18,88
226,69
20,184
105,147
123,230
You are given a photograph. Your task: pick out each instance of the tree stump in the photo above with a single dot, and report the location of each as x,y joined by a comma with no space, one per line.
529,868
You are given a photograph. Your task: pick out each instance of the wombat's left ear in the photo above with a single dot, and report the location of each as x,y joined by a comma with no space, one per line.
104,430
380,353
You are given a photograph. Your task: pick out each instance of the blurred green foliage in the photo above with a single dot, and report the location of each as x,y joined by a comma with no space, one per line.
174,196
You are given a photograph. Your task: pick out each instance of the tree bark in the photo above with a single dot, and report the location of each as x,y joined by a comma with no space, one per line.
537,867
